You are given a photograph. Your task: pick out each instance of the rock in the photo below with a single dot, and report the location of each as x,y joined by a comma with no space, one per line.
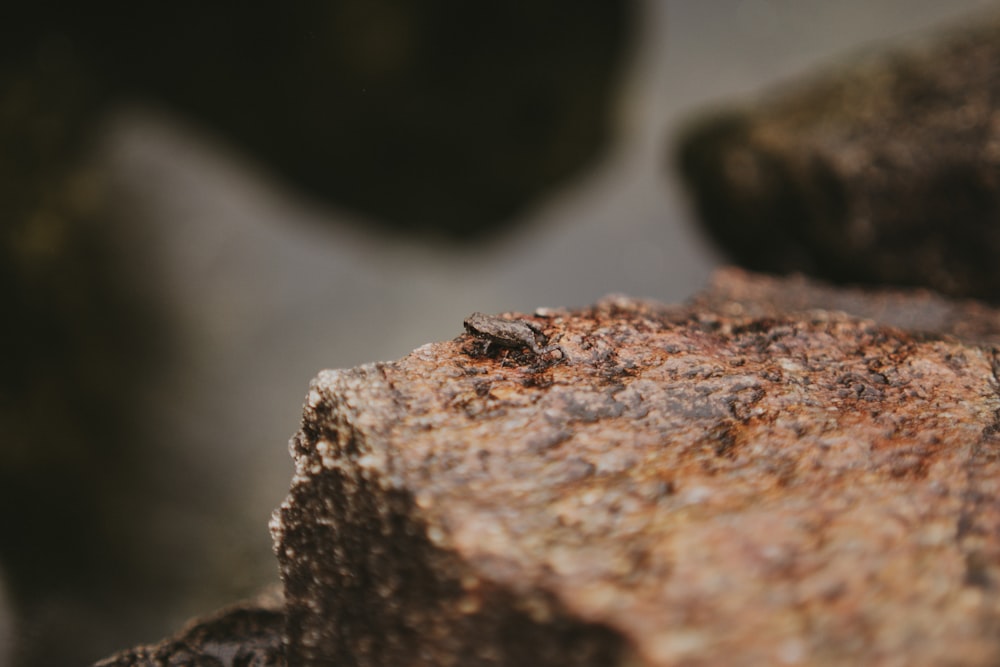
885,171
435,120
737,292
248,634
82,349
757,478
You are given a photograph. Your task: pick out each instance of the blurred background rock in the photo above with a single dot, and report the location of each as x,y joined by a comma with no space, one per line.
881,170
202,207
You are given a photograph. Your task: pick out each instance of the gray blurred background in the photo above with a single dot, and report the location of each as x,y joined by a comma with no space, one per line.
201,236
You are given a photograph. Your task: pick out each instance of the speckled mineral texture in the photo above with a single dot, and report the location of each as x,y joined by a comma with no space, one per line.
921,312
704,485
885,170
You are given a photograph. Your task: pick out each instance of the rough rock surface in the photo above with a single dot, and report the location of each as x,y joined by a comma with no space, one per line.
883,171
751,480
921,312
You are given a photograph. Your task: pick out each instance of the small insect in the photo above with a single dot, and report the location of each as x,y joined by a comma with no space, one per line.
511,334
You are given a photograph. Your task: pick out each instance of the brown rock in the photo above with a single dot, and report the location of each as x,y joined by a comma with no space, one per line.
883,171
740,293
748,481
